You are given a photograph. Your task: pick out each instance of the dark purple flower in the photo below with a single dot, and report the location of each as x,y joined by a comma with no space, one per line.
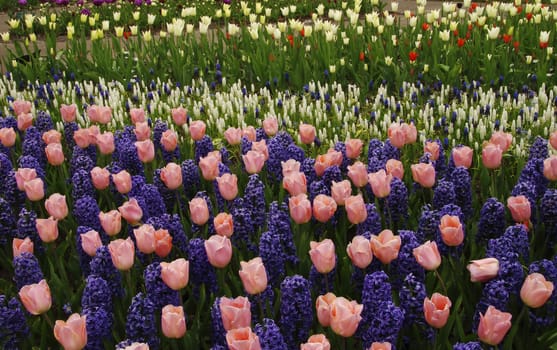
86,212
296,310
444,193
219,332
269,335
372,224
157,291
472,345
102,266
141,324
13,325
271,251
26,270
492,220
203,147
201,271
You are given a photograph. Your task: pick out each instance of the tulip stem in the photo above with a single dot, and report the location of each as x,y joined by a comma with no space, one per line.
261,310
493,186
48,320
441,281
326,283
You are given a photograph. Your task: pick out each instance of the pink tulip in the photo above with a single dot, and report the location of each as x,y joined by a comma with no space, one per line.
396,135
462,156
494,325
90,242
295,183
437,310
353,148
355,209
81,138
492,155
261,147
36,297
357,173
359,251
233,136
235,313
197,129
68,112
145,150
142,131
503,139
169,140
99,114
290,166
270,126
123,181
249,133
122,253
22,246
94,132
423,174
100,177
550,168
324,161
171,176
224,224
242,339
307,133
71,334
145,238
536,290
520,208
323,308
483,270
131,211
432,148
410,133
22,175
219,250
209,166
105,142
7,137
380,346
179,116
324,207
47,229
163,243
50,136
451,229
385,246
56,206
253,275
137,115
199,211
111,222
380,183
54,154
173,321
553,139
228,186
316,342
340,191
323,255
253,161
34,189
21,106
345,316
176,274
300,208
24,121
395,168
427,255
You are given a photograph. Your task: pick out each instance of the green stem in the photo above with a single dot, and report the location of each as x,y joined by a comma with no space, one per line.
261,309
48,320
441,281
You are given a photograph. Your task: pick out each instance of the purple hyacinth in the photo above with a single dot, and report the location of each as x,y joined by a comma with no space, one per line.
462,182
82,185
295,152
69,130
203,147
201,272
377,290
279,222
7,222
141,324
405,264
307,166
219,333
154,203
10,192
318,187
411,296
102,266
33,145
86,212
269,335
548,214
518,236
341,147
26,227
545,316
243,226
43,122
254,200
30,161
26,270
95,294
125,153
157,291
372,224
191,179
245,145
444,193
278,152
13,326
98,322
173,224
471,345
331,174
428,225
296,310
272,254
396,204
492,220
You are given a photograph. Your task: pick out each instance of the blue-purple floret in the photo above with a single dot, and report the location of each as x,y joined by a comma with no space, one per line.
443,194
219,333
296,310
396,208
462,182
254,200
13,325
191,180
201,271
82,185
472,345
26,270
141,325
492,220
272,254
33,145
545,316
102,266
86,212
372,223
157,291
406,264
203,147
269,335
